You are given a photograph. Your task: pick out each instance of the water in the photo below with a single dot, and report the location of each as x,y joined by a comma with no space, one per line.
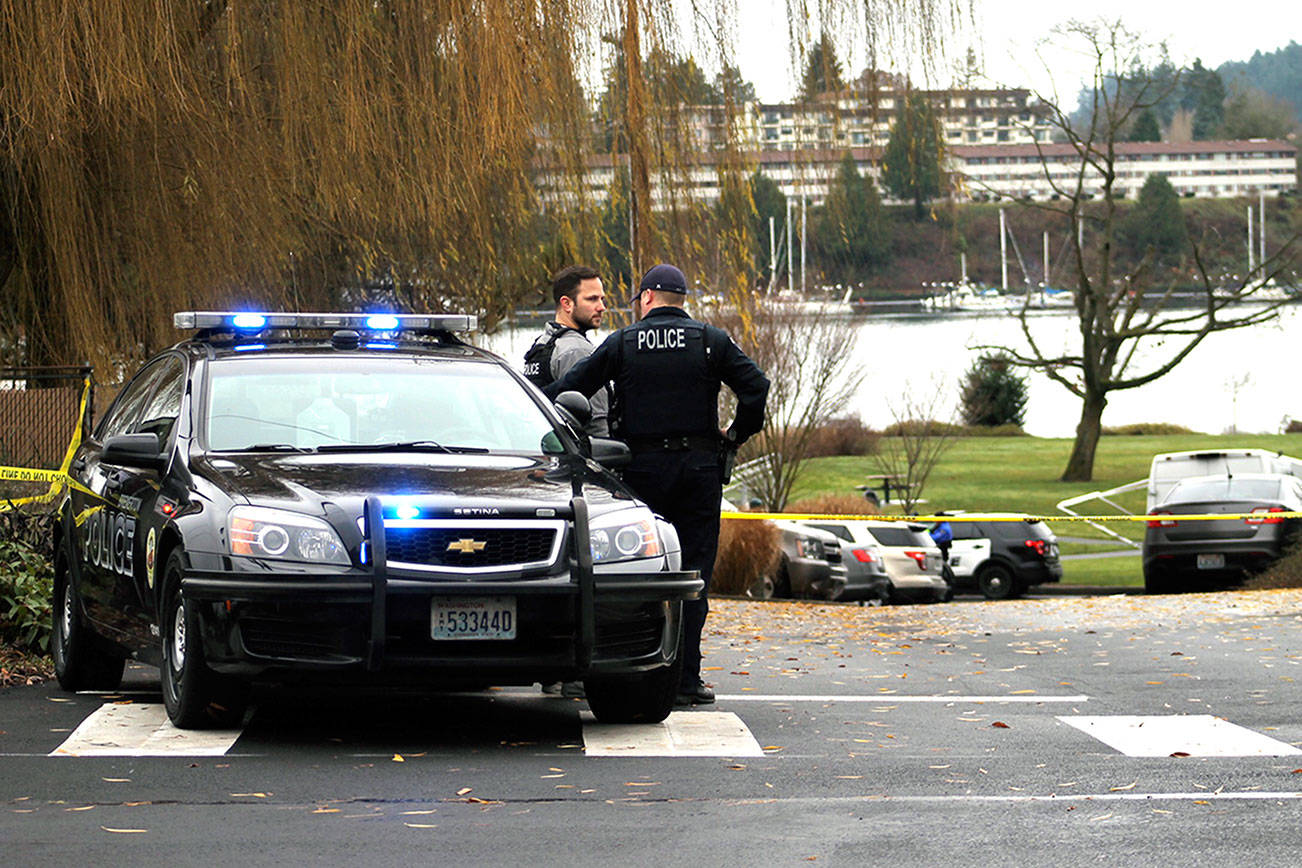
1242,379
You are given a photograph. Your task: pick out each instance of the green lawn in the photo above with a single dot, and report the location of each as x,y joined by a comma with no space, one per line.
1020,474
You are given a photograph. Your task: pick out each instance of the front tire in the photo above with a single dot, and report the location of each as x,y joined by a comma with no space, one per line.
195,696
996,582
644,698
81,659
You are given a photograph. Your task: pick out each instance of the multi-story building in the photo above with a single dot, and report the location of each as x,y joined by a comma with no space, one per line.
990,172
861,116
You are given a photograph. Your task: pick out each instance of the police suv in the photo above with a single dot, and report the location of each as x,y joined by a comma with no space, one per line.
357,499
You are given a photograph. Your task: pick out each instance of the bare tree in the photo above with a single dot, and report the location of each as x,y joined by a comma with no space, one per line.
914,444
1123,311
812,382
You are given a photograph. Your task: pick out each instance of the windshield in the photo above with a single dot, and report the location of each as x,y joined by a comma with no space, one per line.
1224,489
900,536
346,401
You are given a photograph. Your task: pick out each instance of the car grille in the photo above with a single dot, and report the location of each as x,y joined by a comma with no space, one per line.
442,545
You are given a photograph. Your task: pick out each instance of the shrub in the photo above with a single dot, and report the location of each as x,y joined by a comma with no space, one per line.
993,393
833,504
1294,426
923,428
26,581
1284,573
847,436
1140,429
748,549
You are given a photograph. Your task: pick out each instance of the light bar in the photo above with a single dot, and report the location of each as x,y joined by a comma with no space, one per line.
252,321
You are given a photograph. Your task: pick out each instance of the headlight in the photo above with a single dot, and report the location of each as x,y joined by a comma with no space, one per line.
808,547
624,535
261,532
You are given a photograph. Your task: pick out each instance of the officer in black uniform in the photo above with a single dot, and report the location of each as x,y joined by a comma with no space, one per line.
667,369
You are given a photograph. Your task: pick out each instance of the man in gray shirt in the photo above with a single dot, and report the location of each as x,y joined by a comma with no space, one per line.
580,302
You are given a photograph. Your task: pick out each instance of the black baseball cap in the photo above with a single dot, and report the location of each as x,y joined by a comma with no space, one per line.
665,277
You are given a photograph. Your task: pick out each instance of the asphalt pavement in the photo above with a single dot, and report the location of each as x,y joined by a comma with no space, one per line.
1048,731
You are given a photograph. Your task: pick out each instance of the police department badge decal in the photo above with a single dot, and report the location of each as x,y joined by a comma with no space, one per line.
151,547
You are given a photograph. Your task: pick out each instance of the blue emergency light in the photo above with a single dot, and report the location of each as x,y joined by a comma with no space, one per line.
249,321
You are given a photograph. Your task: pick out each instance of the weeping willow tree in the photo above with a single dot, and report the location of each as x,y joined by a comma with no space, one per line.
157,155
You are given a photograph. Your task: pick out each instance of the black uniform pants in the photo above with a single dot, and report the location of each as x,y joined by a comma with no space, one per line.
685,487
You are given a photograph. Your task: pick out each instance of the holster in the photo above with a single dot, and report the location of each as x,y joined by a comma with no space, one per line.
727,461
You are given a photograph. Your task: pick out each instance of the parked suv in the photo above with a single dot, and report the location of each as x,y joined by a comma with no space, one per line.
910,559
1002,559
357,499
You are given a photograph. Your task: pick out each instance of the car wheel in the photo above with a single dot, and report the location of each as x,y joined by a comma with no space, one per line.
1157,580
996,582
644,698
782,584
195,696
762,588
81,659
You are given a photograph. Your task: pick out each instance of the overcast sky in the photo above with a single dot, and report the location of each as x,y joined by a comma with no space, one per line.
1007,33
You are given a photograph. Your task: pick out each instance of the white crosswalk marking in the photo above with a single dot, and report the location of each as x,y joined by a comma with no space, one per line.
1194,735
141,729
683,733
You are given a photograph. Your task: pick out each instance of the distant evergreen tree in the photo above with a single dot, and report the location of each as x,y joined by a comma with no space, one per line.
852,236
1278,73
1146,128
1156,222
823,72
1254,114
911,166
729,83
1204,95
993,393
769,202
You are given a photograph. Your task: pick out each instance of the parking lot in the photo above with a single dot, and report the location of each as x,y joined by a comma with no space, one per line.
1102,727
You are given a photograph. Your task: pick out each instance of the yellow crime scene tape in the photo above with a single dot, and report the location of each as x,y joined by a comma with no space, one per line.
977,516
58,479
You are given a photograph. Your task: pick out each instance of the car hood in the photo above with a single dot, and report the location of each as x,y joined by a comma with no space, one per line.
435,483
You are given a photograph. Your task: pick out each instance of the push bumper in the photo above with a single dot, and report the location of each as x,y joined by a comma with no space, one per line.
570,625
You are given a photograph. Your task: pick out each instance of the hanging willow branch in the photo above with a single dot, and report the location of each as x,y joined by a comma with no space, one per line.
157,155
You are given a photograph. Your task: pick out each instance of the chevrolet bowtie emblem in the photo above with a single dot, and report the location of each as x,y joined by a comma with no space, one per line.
467,546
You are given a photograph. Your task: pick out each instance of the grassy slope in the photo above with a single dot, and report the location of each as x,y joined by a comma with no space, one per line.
1020,474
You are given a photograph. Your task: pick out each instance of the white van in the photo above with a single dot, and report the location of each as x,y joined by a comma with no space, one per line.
1168,468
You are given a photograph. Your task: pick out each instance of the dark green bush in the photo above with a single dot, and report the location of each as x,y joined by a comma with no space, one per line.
1140,429
26,581
993,393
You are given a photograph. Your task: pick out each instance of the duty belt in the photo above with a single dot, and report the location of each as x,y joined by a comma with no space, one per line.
681,443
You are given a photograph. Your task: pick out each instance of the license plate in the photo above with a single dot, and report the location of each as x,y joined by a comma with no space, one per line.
1211,562
472,618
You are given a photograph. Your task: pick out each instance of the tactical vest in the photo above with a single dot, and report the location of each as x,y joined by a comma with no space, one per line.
538,360
667,383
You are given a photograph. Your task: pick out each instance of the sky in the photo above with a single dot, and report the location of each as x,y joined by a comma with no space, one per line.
1007,33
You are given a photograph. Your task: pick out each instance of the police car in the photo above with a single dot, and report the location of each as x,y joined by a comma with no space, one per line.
357,499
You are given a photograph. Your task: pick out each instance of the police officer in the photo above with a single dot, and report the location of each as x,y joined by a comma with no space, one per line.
666,369
580,302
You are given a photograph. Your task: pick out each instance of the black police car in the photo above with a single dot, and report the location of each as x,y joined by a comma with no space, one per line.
357,499
1003,559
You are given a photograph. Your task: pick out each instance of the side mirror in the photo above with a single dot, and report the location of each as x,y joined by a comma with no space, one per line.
611,453
575,408
134,450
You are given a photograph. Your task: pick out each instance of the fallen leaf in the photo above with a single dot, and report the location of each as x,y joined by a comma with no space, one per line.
84,808
326,811
1201,802
124,831
999,724
421,825
397,757
116,780
463,791
1180,753
414,813
248,795
1129,786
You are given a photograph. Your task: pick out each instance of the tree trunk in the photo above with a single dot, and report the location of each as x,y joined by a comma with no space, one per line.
1080,467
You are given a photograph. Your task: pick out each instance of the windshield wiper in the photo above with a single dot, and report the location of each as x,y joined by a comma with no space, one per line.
270,447
408,446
